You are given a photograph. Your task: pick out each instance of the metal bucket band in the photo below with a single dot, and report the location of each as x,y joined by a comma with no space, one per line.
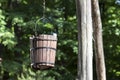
43,63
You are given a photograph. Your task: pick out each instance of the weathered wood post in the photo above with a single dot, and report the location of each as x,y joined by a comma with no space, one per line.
98,42
85,52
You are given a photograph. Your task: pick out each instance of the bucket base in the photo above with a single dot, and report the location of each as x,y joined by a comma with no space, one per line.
42,66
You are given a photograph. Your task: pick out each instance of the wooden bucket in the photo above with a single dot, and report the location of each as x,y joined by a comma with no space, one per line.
43,51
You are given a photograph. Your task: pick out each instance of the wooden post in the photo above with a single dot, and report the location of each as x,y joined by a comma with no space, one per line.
85,39
98,42
89,51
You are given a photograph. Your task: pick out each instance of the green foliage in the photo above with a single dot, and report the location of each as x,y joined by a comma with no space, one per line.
111,34
2,19
6,35
7,38
13,67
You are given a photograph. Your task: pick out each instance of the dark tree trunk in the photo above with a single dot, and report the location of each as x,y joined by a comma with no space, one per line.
98,42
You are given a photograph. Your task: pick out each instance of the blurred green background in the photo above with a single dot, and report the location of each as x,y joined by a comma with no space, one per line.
17,24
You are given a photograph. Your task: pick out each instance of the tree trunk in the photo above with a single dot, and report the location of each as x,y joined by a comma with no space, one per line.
98,42
85,39
89,31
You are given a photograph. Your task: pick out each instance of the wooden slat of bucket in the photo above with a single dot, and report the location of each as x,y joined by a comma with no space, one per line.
44,44
44,55
47,49
40,51
50,52
37,52
53,52
32,51
44,49
52,56
41,37
49,58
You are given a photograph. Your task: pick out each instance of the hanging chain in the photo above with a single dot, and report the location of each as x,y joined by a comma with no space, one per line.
43,19
35,29
43,16
44,7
